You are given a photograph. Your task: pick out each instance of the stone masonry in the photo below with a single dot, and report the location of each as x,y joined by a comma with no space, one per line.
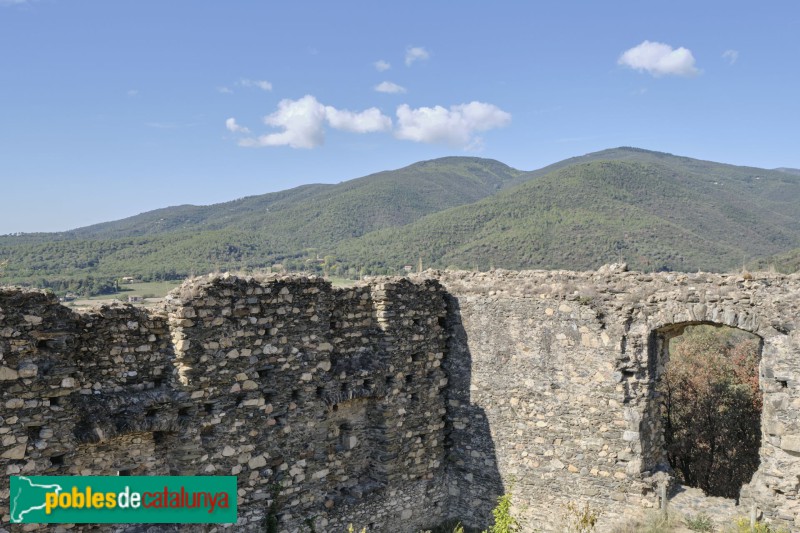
326,401
395,404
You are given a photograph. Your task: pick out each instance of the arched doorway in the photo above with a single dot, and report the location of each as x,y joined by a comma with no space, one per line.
705,405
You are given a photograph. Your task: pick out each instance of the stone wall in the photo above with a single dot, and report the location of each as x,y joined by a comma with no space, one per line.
326,401
561,368
395,404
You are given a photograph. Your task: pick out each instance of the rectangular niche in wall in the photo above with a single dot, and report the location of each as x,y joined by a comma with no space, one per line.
355,431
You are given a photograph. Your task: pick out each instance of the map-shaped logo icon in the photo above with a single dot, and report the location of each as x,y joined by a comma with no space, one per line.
28,497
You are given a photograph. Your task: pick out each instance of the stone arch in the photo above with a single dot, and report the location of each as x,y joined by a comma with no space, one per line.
643,328
654,453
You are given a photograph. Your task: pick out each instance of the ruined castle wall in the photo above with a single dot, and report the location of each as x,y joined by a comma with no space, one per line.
55,363
324,403
324,399
561,367
395,404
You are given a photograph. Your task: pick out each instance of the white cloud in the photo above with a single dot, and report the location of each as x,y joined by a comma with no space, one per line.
303,123
261,84
416,53
659,59
382,66
367,121
389,87
455,126
12,2
234,127
224,90
731,56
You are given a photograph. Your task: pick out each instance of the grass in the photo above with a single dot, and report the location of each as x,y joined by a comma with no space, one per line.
341,282
145,289
151,289
158,289
700,522
651,522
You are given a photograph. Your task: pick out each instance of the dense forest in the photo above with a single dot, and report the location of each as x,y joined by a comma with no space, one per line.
653,210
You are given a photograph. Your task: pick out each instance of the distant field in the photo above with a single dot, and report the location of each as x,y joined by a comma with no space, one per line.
341,282
158,289
150,289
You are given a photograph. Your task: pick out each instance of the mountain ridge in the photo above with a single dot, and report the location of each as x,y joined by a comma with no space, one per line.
654,210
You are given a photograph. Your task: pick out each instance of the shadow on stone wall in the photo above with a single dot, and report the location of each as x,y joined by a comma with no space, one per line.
473,478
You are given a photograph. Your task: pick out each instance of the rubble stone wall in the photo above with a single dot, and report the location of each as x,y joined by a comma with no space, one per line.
395,404
326,404
557,373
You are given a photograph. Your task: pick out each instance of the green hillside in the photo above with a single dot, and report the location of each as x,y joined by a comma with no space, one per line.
652,215
654,210
795,171
322,214
292,227
787,262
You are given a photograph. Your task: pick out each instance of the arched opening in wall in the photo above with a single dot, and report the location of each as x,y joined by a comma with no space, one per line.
709,405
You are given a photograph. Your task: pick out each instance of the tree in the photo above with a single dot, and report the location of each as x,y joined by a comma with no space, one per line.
711,408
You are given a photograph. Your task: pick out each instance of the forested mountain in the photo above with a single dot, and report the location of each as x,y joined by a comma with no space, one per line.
783,262
297,228
322,214
651,209
655,212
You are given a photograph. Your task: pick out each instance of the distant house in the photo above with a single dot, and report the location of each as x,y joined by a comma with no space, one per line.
134,299
128,279
408,268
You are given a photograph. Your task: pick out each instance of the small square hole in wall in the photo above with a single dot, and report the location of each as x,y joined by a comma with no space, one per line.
57,460
783,383
409,379
208,407
159,437
442,322
123,472
54,400
151,413
157,382
295,395
33,432
183,411
320,391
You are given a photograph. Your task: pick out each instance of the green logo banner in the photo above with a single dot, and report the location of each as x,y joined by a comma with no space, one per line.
123,499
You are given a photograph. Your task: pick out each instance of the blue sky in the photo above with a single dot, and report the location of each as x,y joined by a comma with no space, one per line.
109,109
